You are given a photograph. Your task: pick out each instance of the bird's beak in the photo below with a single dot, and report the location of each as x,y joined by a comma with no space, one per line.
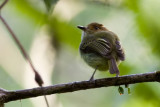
82,28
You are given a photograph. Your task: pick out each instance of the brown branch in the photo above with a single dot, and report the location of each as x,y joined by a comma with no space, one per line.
1,105
7,96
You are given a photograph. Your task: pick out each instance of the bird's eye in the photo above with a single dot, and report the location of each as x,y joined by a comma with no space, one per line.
96,28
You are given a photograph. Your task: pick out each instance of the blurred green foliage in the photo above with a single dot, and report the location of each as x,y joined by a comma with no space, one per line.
30,11
136,23
65,33
50,3
147,20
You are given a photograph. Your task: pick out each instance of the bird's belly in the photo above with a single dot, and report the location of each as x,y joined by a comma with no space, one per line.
95,60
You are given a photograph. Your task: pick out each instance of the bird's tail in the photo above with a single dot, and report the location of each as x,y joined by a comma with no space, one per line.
113,68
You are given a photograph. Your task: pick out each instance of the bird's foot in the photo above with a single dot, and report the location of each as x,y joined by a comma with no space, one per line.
117,74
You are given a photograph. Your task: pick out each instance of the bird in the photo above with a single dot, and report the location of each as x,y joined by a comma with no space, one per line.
100,48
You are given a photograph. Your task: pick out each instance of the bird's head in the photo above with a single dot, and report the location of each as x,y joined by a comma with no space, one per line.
93,28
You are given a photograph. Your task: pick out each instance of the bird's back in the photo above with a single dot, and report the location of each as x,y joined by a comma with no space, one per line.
90,55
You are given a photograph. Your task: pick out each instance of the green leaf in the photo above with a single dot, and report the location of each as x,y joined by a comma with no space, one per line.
129,91
29,11
120,90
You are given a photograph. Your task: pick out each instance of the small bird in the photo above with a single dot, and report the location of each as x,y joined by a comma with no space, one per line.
101,48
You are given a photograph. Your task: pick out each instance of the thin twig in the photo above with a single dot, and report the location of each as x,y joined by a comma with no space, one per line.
24,53
46,100
38,78
7,96
3,4
26,56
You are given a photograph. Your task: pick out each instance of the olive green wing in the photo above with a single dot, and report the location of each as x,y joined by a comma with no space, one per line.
99,45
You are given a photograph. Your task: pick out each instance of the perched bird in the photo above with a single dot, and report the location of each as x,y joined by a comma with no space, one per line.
101,48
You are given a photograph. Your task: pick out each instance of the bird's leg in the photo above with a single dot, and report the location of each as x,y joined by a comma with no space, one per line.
92,77
117,75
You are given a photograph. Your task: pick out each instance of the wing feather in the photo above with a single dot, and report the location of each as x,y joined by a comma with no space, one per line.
119,50
98,45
